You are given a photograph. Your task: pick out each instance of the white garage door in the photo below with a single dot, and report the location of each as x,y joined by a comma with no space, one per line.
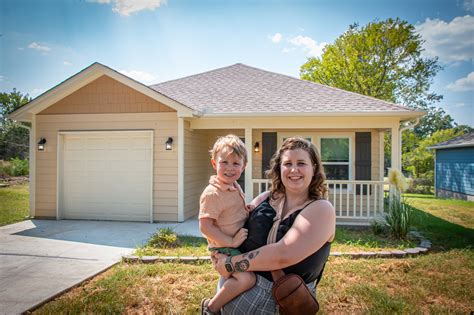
106,175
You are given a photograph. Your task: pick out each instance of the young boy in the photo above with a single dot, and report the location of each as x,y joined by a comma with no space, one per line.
222,214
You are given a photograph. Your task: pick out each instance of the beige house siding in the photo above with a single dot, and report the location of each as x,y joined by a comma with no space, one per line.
196,169
165,179
105,95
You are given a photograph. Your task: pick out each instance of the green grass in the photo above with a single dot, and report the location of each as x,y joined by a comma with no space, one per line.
375,286
437,283
14,204
346,240
448,223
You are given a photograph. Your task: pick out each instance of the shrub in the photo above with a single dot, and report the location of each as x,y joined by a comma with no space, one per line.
164,238
422,185
398,217
378,226
14,167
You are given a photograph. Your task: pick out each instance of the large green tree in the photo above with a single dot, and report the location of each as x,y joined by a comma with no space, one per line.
382,59
13,137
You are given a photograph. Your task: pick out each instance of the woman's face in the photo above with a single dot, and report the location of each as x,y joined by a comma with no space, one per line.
297,170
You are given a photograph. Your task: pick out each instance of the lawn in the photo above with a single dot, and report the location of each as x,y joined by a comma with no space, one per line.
438,283
14,204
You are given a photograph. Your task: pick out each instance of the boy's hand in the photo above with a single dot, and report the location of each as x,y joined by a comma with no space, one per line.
239,237
250,207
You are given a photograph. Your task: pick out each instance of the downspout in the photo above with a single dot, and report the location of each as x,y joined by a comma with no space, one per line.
402,129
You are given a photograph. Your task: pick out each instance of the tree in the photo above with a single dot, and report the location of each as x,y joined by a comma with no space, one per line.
421,159
383,60
13,137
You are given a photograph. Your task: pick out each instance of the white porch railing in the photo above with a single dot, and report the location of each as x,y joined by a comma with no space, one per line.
352,199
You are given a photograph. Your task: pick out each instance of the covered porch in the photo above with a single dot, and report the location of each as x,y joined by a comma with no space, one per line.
352,151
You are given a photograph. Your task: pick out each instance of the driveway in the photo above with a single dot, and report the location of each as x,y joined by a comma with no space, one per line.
40,259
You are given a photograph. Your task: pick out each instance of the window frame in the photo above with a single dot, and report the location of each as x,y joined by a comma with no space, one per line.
351,158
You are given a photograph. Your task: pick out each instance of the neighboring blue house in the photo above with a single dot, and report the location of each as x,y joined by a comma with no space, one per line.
454,168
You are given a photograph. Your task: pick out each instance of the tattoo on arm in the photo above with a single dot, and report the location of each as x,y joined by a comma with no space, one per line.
253,254
242,265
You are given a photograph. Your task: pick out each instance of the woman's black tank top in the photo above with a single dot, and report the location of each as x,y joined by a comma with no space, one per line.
259,224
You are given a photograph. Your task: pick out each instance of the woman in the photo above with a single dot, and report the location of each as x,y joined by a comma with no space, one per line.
306,229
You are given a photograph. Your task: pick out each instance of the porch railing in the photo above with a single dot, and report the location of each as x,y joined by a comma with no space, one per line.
352,199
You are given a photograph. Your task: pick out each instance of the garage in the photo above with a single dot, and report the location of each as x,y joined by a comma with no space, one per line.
105,175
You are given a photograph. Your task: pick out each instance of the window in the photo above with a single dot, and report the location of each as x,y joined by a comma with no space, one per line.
335,155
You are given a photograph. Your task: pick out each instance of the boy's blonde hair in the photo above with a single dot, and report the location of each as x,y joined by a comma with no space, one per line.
231,142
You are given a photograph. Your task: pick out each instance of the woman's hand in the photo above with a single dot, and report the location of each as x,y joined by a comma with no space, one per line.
218,260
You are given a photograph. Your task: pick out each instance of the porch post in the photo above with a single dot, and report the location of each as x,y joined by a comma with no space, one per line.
33,166
248,169
396,148
180,169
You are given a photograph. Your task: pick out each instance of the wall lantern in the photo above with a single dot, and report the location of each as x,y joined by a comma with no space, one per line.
256,147
169,143
41,144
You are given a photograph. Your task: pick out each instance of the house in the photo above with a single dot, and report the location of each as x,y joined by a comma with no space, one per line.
106,147
454,168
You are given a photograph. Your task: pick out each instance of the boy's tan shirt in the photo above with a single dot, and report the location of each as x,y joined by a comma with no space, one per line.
226,205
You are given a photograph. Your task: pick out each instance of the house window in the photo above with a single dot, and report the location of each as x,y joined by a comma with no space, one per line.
335,155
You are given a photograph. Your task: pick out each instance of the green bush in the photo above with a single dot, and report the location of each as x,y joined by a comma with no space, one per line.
423,185
399,217
15,167
164,238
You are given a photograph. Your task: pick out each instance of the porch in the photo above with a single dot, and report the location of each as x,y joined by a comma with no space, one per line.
356,202
352,154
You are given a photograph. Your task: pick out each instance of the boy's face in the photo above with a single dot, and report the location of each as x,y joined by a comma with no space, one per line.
228,167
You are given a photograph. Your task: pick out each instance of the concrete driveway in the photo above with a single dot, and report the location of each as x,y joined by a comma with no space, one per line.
40,259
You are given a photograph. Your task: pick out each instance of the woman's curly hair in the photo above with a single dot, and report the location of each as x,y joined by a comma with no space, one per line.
317,187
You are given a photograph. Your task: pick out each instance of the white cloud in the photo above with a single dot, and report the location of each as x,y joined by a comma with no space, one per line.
140,76
463,84
459,104
38,47
126,7
2,78
450,41
276,38
468,5
67,63
309,45
21,48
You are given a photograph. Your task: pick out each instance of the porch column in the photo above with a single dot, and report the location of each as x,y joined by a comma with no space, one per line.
396,160
180,169
32,175
248,169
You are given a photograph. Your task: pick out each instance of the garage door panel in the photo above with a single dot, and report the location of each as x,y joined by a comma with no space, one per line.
107,176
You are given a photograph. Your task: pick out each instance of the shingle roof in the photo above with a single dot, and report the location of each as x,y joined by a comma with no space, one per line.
466,140
243,89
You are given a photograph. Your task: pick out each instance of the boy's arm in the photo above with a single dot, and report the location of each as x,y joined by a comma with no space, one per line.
211,231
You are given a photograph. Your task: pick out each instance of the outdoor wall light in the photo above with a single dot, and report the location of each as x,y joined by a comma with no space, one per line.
169,143
41,144
256,147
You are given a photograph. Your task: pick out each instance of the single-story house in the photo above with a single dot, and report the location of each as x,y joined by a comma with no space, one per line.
106,147
454,168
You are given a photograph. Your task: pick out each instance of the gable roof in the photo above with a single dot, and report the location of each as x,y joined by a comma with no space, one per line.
85,77
466,140
240,89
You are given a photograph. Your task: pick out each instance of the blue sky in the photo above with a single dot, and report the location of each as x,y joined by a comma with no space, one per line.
44,42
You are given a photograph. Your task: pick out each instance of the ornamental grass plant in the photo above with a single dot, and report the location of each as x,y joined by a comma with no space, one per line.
399,215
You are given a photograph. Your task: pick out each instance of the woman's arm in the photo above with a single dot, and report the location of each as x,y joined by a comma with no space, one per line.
313,227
